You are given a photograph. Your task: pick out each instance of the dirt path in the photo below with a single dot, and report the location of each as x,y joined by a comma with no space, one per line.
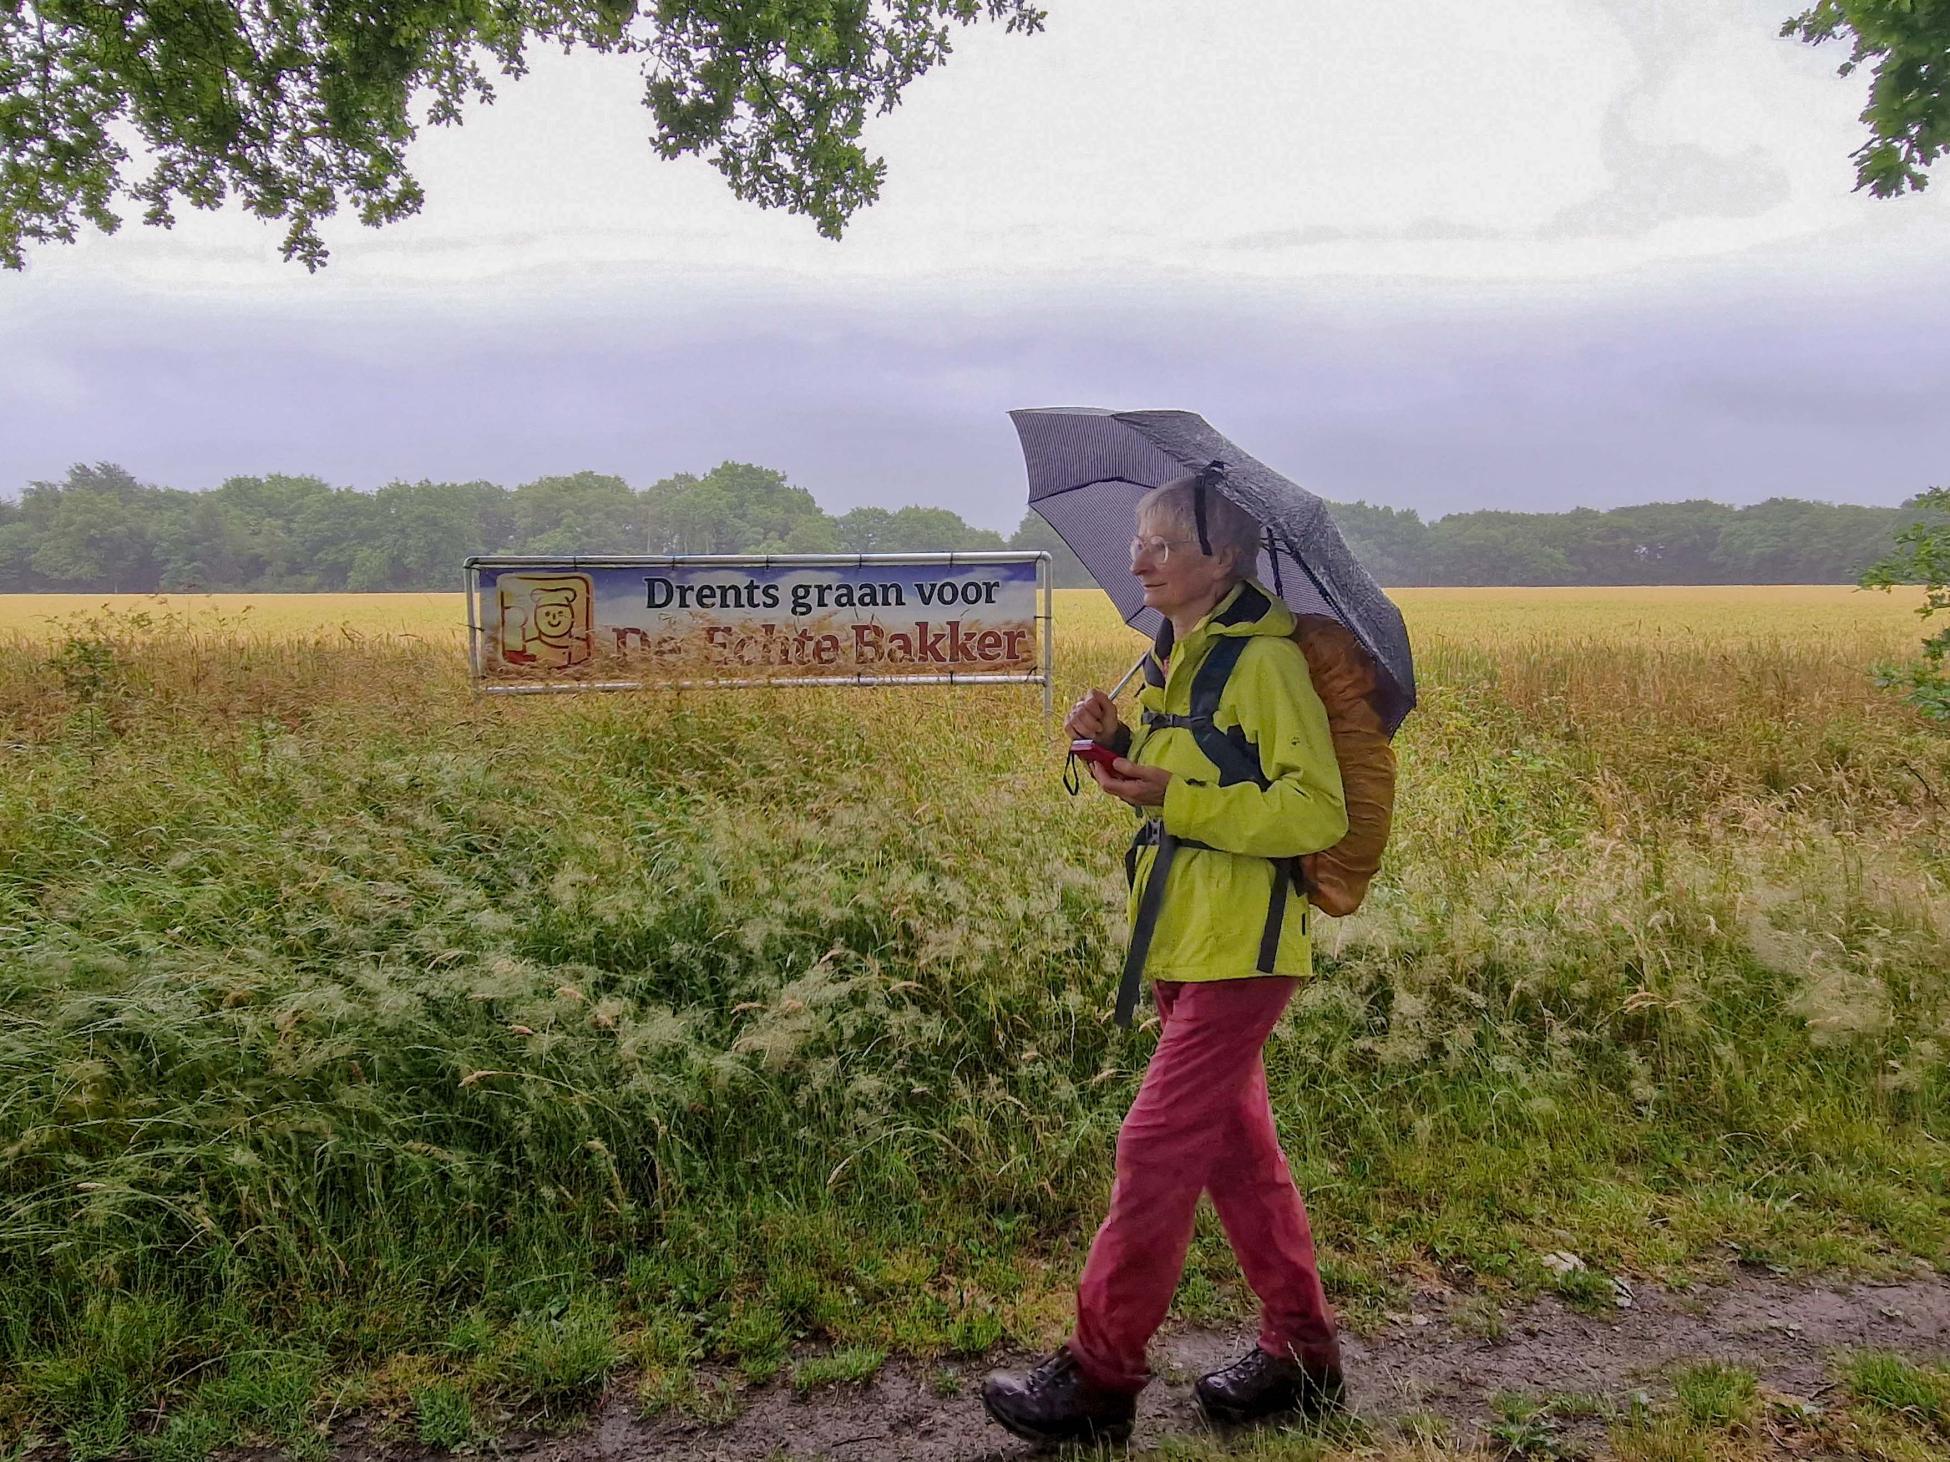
1784,1331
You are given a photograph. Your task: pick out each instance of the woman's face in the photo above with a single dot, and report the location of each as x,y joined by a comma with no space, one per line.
1180,578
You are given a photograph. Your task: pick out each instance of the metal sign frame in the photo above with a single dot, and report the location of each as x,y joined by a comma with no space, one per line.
1045,621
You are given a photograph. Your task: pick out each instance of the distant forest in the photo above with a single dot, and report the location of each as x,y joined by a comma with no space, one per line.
102,531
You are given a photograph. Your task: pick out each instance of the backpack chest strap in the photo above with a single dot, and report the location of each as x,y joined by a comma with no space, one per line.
1231,751
1158,720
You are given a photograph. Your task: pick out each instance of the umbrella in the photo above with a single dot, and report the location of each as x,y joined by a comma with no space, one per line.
1088,467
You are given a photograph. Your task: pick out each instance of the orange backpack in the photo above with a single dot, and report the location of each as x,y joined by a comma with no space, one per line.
1344,679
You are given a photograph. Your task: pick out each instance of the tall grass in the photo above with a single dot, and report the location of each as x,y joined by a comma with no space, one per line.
361,1038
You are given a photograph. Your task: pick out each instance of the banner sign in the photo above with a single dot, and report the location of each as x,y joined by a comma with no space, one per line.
624,622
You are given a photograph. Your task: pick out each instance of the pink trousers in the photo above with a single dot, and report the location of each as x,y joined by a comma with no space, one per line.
1201,1123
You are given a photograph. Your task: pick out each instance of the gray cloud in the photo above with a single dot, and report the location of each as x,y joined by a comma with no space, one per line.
1463,401
1654,183
1421,230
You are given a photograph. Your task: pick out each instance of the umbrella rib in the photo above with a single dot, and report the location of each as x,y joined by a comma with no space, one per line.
1080,486
1319,588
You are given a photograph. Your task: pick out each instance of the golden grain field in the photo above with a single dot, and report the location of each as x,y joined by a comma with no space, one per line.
1835,616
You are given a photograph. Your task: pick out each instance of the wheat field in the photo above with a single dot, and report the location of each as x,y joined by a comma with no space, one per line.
365,1042
1836,614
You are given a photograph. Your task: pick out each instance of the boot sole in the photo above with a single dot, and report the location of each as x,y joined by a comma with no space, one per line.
1218,1414
1213,1415
1116,1434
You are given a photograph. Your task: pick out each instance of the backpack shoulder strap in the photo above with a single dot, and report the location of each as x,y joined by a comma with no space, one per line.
1231,750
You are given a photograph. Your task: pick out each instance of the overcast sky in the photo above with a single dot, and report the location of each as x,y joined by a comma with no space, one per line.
1440,255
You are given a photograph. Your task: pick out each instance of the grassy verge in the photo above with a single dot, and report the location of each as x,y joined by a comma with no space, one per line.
363,1042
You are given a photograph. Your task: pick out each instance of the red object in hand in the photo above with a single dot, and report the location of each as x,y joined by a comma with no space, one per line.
1095,751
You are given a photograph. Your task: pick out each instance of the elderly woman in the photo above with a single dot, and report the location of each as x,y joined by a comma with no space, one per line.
1233,776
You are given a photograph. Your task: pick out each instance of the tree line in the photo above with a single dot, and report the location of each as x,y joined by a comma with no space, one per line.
100,530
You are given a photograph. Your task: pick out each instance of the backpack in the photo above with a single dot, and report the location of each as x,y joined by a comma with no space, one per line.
1336,879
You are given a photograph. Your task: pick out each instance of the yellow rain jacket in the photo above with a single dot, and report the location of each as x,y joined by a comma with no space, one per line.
1254,786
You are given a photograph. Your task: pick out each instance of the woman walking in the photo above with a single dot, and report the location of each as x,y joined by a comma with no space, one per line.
1233,776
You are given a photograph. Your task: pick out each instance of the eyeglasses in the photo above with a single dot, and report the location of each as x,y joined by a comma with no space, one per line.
1157,549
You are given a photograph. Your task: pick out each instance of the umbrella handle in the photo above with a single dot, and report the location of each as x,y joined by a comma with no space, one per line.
1136,665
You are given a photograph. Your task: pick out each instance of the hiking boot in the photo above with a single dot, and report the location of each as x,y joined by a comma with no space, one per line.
1258,1385
1052,1402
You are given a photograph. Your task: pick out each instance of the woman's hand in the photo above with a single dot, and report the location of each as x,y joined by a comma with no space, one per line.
1095,716
1141,786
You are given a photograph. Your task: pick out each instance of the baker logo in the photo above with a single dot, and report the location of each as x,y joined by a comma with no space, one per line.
547,620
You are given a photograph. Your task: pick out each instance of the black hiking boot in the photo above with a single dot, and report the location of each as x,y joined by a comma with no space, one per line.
1258,1385
1052,1402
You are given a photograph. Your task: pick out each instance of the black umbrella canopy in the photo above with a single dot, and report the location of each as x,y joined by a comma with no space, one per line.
1088,467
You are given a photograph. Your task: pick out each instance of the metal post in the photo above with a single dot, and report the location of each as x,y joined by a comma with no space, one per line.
1046,576
471,587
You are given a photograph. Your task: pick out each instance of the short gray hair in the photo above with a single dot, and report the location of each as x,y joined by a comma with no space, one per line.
1227,525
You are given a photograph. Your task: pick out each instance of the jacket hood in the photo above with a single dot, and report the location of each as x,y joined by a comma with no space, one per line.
1249,609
